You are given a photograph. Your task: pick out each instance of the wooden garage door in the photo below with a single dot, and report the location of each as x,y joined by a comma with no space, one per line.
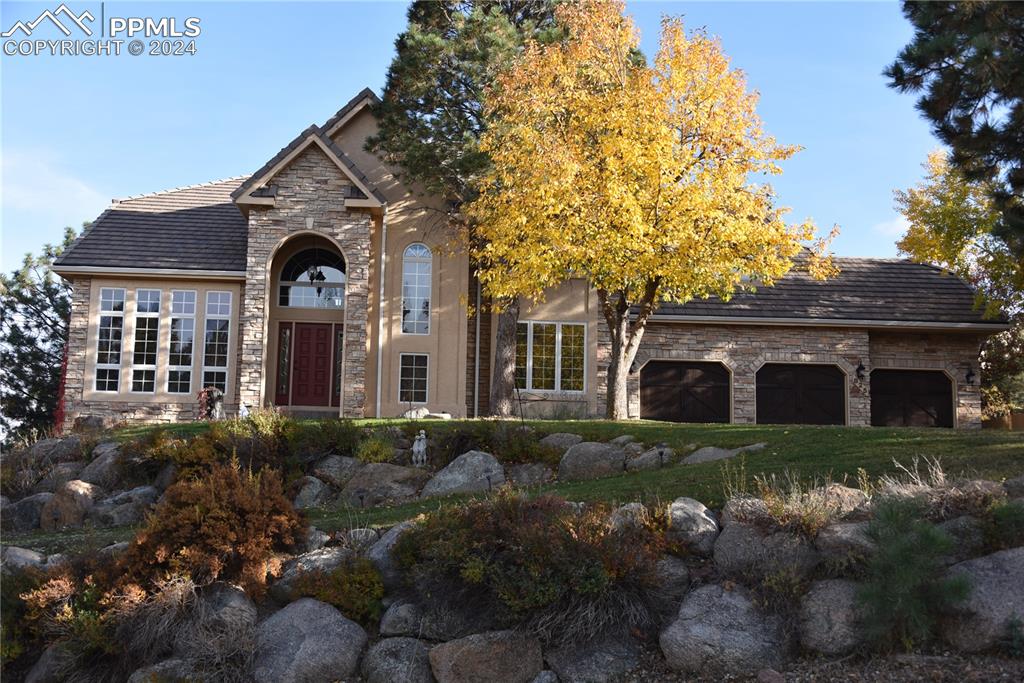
911,398
684,392
801,394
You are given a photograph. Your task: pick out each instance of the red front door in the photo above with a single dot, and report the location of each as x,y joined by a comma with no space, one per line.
311,381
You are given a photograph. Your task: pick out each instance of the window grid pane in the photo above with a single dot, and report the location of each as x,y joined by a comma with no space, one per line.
550,356
416,287
216,337
183,302
183,332
109,339
572,360
543,376
413,378
522,349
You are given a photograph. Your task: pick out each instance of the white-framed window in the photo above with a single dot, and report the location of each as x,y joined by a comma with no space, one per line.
147,338
216,340
108,339
551,356
313,278
412,378
417,266
183,332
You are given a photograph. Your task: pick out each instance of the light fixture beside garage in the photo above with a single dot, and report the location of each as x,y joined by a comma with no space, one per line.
970,374
860,370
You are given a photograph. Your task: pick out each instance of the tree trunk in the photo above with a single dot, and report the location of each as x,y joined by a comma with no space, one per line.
503,374
626,335
617,400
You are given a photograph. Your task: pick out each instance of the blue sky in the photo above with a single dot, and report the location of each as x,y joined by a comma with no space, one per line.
77,131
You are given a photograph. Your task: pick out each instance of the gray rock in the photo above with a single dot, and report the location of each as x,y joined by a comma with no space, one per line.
168,475
840,500
361,538
722,632
996,599
692,524
315,539
591,460
322,560
504,656
401,619
546,676
598,661
69,506
843,542
307,641
50,666
743,550
172,670
745,509
471,472
125,508
114,549
105,468
59,474
24,514
233,611
380,553
14,559
713,453
312,492
673,576
829,616
382,482
1014,487
62,449
90,423
968,534
449,622
397,659
561,441
145,495
623,440
634,449
628,515
530,474
652,459
336,469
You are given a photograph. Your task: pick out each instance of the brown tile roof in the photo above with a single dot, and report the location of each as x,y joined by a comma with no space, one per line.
188,228
883,290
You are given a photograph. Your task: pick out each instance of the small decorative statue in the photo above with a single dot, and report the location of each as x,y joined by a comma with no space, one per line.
419,450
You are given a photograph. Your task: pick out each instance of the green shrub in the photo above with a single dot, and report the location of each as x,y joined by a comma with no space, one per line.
540,564
904,592
1004,525
375,449
355,588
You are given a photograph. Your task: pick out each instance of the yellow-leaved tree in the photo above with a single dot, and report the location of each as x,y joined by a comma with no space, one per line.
636,177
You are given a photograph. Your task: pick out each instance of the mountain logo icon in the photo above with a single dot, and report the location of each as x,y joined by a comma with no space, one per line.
75,19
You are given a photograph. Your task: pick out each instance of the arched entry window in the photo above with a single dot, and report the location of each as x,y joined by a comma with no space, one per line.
313,278
417,263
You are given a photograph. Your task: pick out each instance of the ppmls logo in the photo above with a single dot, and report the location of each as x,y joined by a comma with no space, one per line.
75,19
166,36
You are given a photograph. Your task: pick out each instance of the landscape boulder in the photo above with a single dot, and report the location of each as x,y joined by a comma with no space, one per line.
14,559
24,514
630,515
315,539
561,441
360,539
622,440
336,470
471,472
312,492
601,660
743,550
1014,487
693,525
173,670
167,475
713,453
322,560
59,474
505,656
307,641
382,556
829,616
56,450
995,601
85,424
381,482
105,468
125,508
530,474
591,460
69,505
746,509
673,576
719,632
49,668
843,542
839,500
401,619
397,659
968,534
232,610
652,459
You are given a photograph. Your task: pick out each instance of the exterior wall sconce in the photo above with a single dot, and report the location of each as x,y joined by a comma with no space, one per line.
970,375
860,370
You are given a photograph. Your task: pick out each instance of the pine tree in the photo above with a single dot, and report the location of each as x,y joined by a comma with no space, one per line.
35,306
431,117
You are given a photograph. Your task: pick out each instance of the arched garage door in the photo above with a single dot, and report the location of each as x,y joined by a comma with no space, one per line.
801,394
911,398
684,392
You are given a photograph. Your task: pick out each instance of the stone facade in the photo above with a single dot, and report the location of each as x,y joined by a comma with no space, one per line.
78,339
309,200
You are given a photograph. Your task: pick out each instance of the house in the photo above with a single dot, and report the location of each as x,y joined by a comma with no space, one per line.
324,286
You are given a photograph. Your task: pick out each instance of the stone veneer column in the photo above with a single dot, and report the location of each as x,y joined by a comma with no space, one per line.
78,336
310,199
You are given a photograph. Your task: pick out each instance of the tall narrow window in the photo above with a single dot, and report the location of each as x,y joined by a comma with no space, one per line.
216,335
550,356
183,332
108,339
417,264
412,379
147,336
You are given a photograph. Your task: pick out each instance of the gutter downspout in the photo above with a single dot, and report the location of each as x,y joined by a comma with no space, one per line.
380,304
476,355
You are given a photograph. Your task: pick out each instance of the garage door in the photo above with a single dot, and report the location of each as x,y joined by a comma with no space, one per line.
684,392
911,398
801,394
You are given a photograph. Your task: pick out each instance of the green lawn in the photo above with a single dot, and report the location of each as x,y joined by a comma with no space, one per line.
811,452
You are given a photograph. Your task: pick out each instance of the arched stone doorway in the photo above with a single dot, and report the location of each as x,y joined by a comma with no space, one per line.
306,326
